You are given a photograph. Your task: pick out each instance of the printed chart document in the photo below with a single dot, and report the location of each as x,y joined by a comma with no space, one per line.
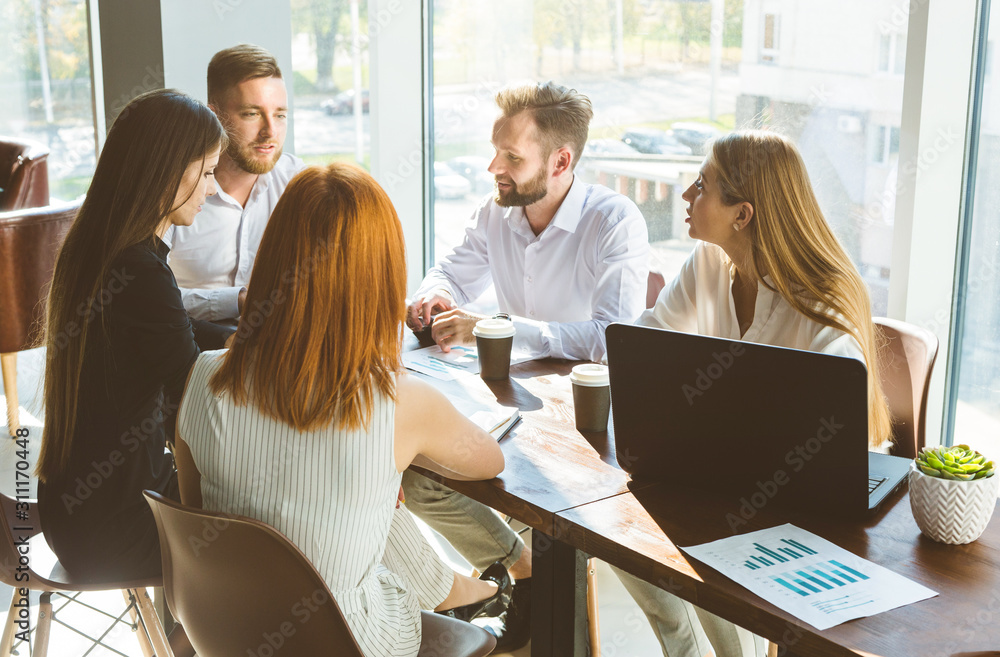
808,576
461,360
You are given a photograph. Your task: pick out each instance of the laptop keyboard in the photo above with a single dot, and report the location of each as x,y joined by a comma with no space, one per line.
874,482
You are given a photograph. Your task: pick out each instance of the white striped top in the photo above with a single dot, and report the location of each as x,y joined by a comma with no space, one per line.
331,491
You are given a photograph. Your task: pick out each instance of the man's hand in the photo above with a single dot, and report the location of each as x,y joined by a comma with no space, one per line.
454,327
419,315
241,300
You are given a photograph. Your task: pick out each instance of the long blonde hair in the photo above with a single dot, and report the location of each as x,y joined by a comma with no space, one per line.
791,243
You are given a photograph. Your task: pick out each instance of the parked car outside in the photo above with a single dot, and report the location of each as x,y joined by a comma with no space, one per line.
655,142
448,184
608,147
695,136
343,103
474,169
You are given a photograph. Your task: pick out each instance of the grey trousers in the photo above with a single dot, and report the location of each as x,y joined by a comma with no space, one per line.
685,630
474,529
409,555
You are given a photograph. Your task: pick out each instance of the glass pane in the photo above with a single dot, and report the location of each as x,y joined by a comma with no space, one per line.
330,69
878,144
884,52
900,63
45,87
977,412
770,42
824,100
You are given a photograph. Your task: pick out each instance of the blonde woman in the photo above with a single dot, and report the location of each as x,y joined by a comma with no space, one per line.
767,269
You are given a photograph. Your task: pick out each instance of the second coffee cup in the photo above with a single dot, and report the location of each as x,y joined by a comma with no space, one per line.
494,339
591,396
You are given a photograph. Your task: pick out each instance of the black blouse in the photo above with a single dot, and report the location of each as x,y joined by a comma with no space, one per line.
94,516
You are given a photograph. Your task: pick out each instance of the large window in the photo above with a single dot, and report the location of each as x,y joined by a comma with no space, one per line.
658,95
330,71
977,376
45,87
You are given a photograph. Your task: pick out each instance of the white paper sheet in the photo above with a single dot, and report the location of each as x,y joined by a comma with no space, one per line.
496,422
460,361
808,576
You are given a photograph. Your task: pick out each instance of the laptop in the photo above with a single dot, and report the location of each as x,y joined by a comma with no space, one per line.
759,423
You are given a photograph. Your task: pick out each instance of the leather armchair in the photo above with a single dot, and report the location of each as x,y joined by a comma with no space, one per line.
907,361
29,243
24,175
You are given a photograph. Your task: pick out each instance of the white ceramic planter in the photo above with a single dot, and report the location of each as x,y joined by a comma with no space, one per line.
954,512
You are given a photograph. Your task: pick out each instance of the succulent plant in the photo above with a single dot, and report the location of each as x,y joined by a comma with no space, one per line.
959,463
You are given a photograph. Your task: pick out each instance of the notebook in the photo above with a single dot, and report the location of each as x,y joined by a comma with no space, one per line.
762,424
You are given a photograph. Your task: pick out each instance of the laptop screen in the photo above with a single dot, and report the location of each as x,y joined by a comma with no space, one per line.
756,423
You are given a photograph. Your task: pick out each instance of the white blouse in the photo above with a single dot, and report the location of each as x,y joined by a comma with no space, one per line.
700,300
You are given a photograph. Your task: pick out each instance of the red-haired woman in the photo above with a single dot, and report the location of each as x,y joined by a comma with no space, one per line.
307,422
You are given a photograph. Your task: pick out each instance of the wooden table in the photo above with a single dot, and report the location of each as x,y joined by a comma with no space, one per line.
550,467
568,488
639,532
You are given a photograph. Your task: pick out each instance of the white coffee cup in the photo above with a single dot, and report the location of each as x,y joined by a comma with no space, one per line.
494,340
591,396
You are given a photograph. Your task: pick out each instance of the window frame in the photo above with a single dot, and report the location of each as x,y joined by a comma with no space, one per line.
930,194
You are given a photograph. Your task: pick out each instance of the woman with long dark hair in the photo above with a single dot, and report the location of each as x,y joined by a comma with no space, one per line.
119,343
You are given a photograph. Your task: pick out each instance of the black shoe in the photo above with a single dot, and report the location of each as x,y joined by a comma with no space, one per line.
515,630
491,606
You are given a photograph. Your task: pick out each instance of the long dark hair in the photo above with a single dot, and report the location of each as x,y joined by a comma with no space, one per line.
147,151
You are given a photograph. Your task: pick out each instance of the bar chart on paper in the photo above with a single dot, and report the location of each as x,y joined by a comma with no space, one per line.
808,576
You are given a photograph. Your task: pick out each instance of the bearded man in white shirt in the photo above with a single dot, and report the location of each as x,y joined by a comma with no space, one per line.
212,259
566,259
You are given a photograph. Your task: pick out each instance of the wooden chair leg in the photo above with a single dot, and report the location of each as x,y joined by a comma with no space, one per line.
44,625
140,633
772,649
8,365
7,643
147,613
593,619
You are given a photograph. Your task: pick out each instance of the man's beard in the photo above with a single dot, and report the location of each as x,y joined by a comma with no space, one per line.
532,191
244,157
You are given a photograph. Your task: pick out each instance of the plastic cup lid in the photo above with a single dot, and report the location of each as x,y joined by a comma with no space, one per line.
590,374
493,328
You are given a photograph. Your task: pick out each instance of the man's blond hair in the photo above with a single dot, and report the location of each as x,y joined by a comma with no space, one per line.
562,115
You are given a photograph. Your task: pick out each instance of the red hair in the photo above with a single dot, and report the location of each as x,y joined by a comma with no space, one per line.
320,330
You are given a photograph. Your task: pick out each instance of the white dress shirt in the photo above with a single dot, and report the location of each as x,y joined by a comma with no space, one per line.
586,269
213,257
700,300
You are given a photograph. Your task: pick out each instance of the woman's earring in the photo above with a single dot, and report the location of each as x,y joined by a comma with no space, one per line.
736,226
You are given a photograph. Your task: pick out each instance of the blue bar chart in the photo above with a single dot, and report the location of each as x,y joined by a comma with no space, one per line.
827,576
777,554
808,576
